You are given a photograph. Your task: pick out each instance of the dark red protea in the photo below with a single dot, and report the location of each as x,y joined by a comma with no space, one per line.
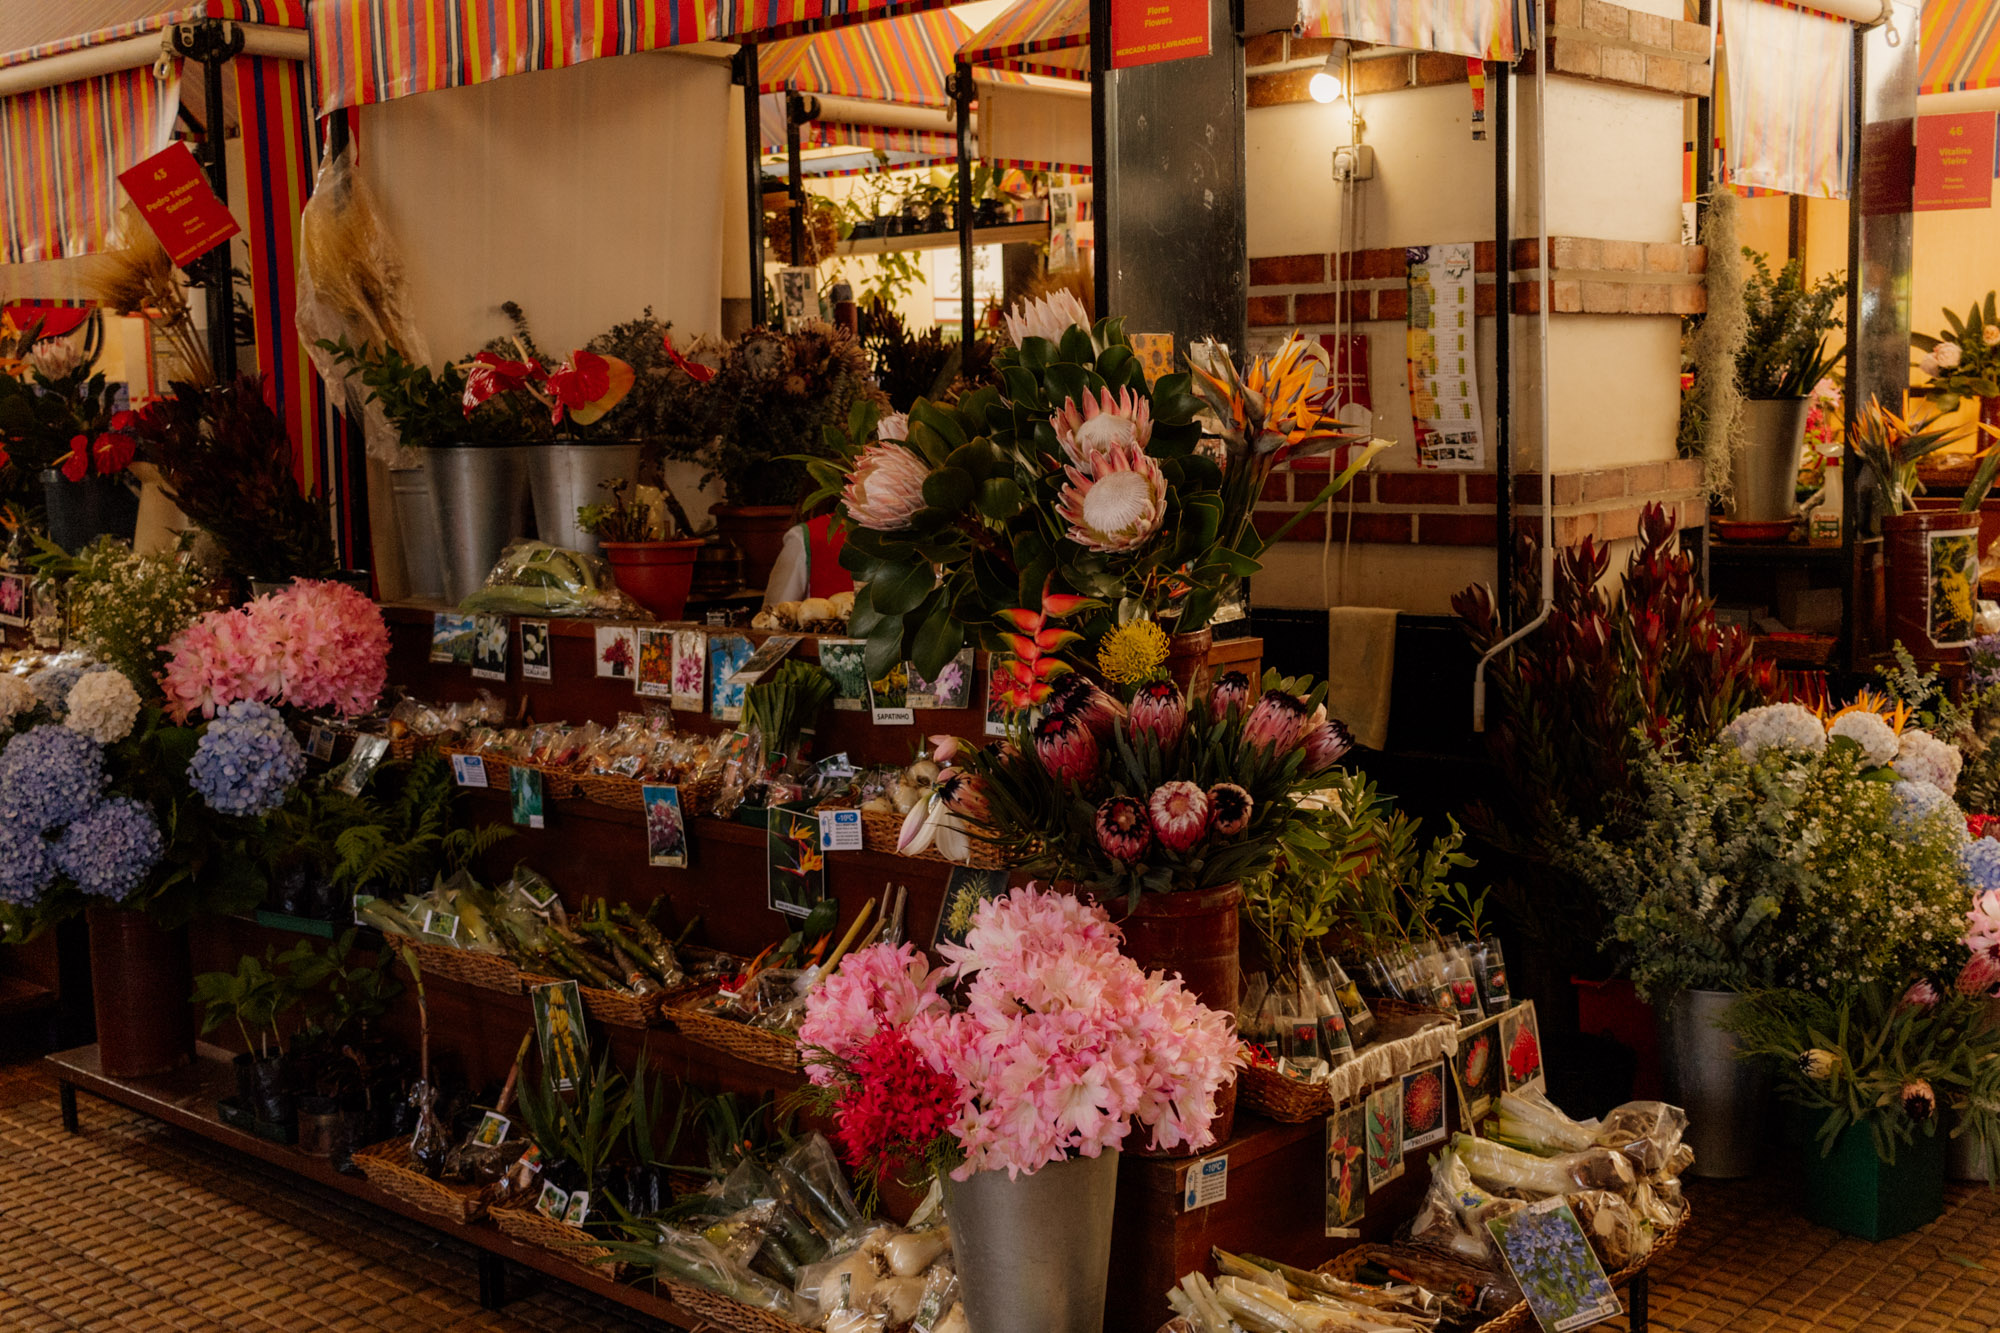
1229,809
1919,1102
1231,690
1277,723
1066,747
1180,814
1123,830
1326,743
1079,697
1159,710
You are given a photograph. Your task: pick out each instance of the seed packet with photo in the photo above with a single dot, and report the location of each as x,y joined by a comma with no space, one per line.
964,890
795,866
489,647
889,699
763,659
451,638
726,653
1521,1047
1424,1108
14,600
559,1032
1346,1172
1558,1272
845,660
1476,1071
951,689
1383,1134
656,664
535,650
526,784
666,829
617,651
690,670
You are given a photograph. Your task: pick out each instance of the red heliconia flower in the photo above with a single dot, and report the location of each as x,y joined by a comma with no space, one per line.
76,463
492,375
1123,830
1326,744
1180,814
1159,710
578,382
1231,690
1067,748
694,370
1025,679
1229,809
1277,723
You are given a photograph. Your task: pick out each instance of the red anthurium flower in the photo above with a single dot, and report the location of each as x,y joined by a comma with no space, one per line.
694,370
5,457
492,375
114,452
587,386
76,463
123,422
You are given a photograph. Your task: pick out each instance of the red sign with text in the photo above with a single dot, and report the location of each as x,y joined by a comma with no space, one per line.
177,202
1146,32
1954,162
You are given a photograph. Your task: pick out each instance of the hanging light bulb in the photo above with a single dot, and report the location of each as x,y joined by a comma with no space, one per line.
1327,85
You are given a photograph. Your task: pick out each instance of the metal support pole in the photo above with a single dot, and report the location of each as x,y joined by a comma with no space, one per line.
66,1095
1499,94
961,89
795,184
213,43
1704,131
753,145
1101,112
492,1281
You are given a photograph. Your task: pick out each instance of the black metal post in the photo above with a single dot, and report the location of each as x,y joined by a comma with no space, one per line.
213,43
1853,639
795,184
1499,92
1704,131
66,1097
1101,112
753,147
961,90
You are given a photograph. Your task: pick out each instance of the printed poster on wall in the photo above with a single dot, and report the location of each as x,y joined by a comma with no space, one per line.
1441,349
1954,162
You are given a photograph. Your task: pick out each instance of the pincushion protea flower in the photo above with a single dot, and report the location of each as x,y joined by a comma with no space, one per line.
1919,1102
1159,710
886,487
1115,501
1123,830
1049,317
1133,653
1231,690
1229,809
1066,747
1106,420
1180,814
1277,723
1326,743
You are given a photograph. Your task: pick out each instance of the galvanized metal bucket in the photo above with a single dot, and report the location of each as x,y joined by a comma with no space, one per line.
1726,1099
1764,477
416,524
479,501
1035,1252
566,476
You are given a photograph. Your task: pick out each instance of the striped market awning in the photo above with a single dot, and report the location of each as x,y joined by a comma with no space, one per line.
375,50
906,60
1959,46
25,30
1050,37
1476,29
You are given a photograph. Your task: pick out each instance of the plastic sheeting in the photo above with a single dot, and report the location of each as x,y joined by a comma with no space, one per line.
1786,90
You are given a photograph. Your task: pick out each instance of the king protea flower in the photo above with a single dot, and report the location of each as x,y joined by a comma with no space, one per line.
1921,993
1277,723
1066,747
1050,317
1919,1102
1123,830
886,487
1231,690
895,426
1159,710
1180,814
1115,501
1103,421
1326,742
1229,809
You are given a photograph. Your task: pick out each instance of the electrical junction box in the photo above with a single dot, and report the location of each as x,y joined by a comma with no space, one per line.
1355,162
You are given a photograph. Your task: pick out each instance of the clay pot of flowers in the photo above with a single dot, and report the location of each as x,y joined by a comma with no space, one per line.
140,977
643,535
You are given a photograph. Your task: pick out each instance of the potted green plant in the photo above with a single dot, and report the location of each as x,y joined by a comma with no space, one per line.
65,440
255,997
645,537
1963,360
1782,356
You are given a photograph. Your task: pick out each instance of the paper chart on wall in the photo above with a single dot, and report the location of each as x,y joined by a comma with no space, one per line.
1443,360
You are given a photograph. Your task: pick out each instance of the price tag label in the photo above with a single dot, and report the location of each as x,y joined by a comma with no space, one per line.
362,900
469,770
840,831
444,925
1207,1183
319,743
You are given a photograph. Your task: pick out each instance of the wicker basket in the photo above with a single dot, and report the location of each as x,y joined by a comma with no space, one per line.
1289,1101
612,791
881,833
403,748
757,1045
390,1168
572,1243
607,1006
722,1312
488,971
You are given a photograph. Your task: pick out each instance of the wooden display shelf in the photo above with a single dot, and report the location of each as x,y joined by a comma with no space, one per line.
1010,233
186,1100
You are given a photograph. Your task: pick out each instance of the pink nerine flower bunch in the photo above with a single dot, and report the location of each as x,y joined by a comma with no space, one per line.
312,645
1063,1044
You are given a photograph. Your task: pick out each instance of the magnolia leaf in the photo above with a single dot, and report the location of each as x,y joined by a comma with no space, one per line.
884,652
901,589
949,488
999,498
1065,383
1076,347
938,420
938,640
976,458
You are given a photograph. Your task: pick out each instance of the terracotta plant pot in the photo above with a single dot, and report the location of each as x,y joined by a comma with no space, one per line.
656,574
1187,660
140,980
1933,559
1194,935
759,532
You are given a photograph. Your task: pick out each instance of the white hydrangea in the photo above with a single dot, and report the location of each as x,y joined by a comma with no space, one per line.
1924,758
103,706
16,697
1877,739
1776,726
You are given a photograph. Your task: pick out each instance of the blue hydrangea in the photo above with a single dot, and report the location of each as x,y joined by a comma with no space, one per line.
1917,801
248,761
1981,859
26,868
111,849
52,684
1779,727
49,775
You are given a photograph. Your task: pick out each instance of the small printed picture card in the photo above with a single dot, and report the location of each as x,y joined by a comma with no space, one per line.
840,831
656,664
492,1129
795,866
14,609
319,743
47,626
1557,1271
1383,1128
951,689
889,699
999,717
726,654
577,1211
489,647
468,770
540,894
552,1202
362,761
1207,1182
666,829
617,651
1476,1070
451,638
1521,1048
559,1032
444,925
690,670
1424,1108
362,900
1346,1174
526,786
535,650
964,890
846,661
763,659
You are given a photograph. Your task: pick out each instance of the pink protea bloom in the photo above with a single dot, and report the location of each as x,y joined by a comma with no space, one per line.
1104,421
1231,690
1066,747
1077,696
1979,976
1982,934
1114,501
1921,993
1229,808
1277,723
1123,829
1326,743
886,487
1159,710
1180,814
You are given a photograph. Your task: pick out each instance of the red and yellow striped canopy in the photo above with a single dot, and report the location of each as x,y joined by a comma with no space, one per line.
906,60
1959,46
61,150
1035,37
116,20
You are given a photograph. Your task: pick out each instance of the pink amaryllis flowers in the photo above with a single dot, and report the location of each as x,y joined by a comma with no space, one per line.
311,645
886,487
1159,710
1115,500
1124,829
1180,814
1104,421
